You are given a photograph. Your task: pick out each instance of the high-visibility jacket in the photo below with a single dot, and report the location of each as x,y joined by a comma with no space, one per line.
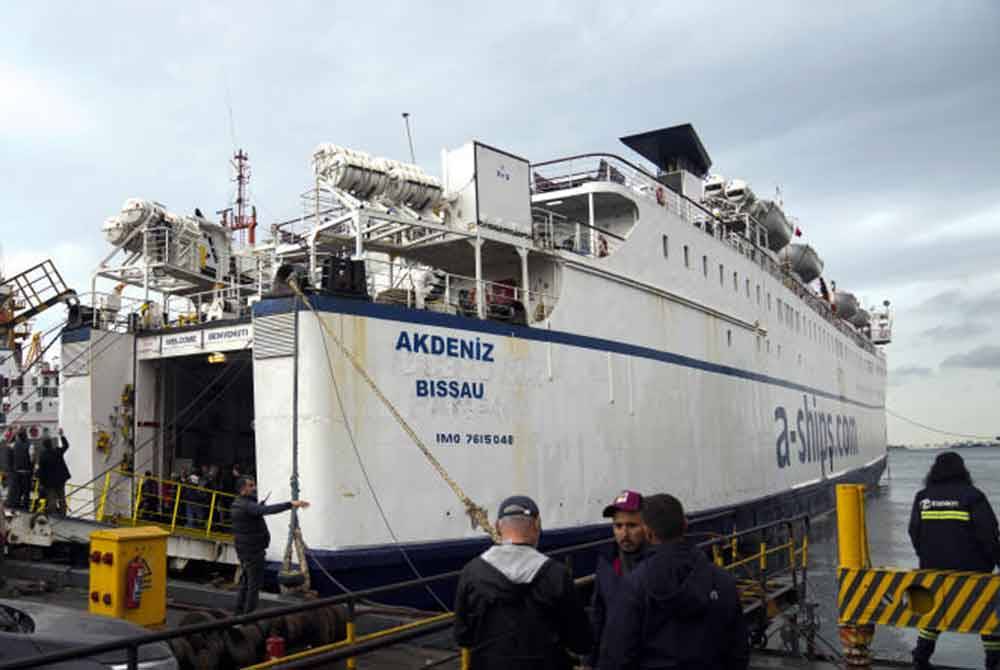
953,527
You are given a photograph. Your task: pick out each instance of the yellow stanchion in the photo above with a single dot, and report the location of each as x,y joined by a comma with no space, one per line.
466,658
352,662
852,550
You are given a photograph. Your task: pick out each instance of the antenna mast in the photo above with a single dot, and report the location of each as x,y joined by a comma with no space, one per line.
409,136
240,220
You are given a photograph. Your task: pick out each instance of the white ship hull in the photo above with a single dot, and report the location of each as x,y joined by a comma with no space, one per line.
653,380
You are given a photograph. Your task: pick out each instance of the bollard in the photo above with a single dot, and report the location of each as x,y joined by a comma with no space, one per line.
852,549
275,647
352,662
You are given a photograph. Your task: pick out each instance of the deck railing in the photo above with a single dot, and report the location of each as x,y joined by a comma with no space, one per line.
124,498
780,553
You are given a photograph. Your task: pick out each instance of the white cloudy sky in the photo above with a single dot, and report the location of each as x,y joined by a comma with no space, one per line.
879,120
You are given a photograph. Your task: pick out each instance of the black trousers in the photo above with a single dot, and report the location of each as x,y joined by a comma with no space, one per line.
251,574
55,499
19,491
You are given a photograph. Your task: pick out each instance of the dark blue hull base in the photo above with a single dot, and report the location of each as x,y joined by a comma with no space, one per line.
360,569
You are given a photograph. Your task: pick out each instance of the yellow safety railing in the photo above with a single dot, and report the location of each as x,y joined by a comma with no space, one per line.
791,550
126,498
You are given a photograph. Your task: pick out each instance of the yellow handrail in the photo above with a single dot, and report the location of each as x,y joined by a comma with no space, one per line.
177,504
138,499
104,496
211,515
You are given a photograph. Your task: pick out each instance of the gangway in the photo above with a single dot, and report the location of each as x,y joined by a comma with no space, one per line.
28,294
196,517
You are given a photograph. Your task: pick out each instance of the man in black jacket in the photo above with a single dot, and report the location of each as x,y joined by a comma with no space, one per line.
20,490
53,473
252,538
618,561
952,527
517,609
676,609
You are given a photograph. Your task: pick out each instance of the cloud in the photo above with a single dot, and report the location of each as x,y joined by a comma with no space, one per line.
906,373
957,301
959,331
38,105
985,358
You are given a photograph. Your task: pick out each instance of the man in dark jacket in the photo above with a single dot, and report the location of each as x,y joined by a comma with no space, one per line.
53,473
252,538
618,561
676,609
20,489
952,527
6,463
517,609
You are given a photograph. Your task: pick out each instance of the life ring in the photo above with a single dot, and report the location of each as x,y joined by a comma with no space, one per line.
661,197
33,431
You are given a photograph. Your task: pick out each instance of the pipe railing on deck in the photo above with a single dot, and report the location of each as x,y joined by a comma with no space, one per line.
360,645
124,498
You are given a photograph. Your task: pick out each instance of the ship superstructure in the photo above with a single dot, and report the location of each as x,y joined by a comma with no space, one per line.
566,328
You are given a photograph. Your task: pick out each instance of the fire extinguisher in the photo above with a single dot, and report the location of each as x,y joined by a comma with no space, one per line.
274,647
133,584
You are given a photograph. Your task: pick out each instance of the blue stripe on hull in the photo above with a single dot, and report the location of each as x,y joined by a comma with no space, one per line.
326,303
377,566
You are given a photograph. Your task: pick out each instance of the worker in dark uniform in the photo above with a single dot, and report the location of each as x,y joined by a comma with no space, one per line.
6,466
618,560
20,490
53,473
516,608
252,538
676,609
952,527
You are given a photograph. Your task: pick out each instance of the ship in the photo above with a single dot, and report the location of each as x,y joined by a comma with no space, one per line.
413,348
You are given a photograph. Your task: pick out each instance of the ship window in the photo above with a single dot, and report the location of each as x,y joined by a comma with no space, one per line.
769,301
769,346
704,266
748,288
24,407
736,282
722,275
758,294
687,257
780,312
38,406
729,337
45,381
34,381
666,247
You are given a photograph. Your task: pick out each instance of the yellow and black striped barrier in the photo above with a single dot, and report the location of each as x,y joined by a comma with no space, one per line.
939,600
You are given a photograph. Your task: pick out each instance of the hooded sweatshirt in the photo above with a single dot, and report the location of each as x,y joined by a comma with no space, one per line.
516,608
676,610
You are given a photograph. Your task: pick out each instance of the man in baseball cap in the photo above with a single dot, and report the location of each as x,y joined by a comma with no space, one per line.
515,607
618,560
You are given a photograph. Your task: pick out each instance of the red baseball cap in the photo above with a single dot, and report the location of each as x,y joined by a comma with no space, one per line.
627,501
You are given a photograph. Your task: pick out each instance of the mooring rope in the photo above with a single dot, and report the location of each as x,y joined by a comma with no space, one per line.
476,513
